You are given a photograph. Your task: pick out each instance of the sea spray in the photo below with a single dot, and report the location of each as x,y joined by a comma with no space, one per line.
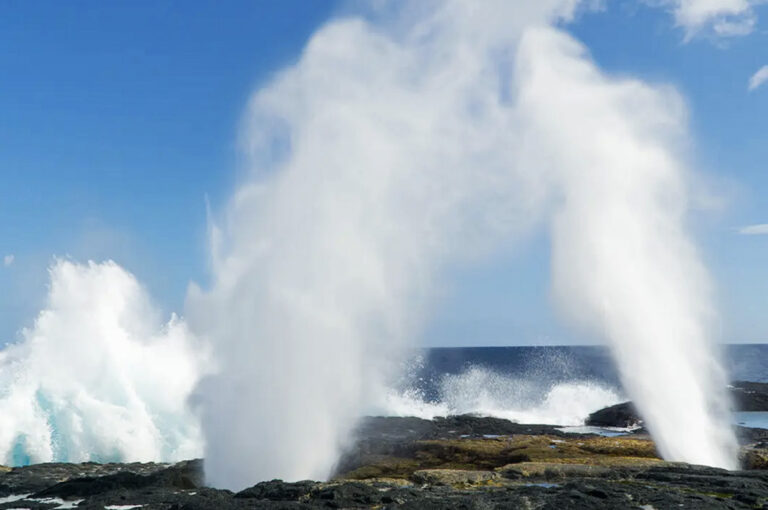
622,262
522,398
374,164
98,376
395,147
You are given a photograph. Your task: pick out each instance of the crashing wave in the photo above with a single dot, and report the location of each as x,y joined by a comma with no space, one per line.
99,377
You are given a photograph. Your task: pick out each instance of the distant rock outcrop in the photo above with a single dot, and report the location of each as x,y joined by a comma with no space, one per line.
622,415
746,396
749,396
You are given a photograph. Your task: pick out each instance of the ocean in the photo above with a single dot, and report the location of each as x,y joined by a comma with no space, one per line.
556,385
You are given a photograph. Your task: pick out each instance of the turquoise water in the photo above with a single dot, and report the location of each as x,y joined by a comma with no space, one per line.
757,420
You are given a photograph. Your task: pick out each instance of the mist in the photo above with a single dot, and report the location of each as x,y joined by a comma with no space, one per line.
623,265
428,135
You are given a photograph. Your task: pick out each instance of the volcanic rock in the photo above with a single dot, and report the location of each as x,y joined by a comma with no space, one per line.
622,415
749,396
463,462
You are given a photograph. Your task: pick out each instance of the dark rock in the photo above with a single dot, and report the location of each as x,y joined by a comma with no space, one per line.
34,478
346,495
745,396
757,437
409,428
278,490
661,487
184,475
622,415
90,486
749,396
472,463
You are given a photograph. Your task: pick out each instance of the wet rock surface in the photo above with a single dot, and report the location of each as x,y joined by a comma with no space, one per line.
460,462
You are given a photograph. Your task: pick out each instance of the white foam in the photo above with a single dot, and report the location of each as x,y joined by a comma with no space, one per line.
13,497
62,504
99,376
408,403
484,392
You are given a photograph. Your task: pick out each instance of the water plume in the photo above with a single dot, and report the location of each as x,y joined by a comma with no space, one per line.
377,158
622,262
425,136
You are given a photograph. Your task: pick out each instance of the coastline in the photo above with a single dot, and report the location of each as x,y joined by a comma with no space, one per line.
458,462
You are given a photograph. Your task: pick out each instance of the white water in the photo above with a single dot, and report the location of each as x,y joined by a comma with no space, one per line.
98,376
61,504
483,392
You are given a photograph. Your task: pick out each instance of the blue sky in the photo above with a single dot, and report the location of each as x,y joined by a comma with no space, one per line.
118,119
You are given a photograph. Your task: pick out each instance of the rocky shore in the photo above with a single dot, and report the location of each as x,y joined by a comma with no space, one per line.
460,462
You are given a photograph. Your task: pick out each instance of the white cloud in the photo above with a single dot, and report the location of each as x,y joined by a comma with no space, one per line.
754,230
721,18
760,77
8,260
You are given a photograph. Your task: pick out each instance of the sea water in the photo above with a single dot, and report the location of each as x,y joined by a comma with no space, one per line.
558,385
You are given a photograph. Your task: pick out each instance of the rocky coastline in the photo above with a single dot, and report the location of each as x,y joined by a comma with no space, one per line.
459,462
